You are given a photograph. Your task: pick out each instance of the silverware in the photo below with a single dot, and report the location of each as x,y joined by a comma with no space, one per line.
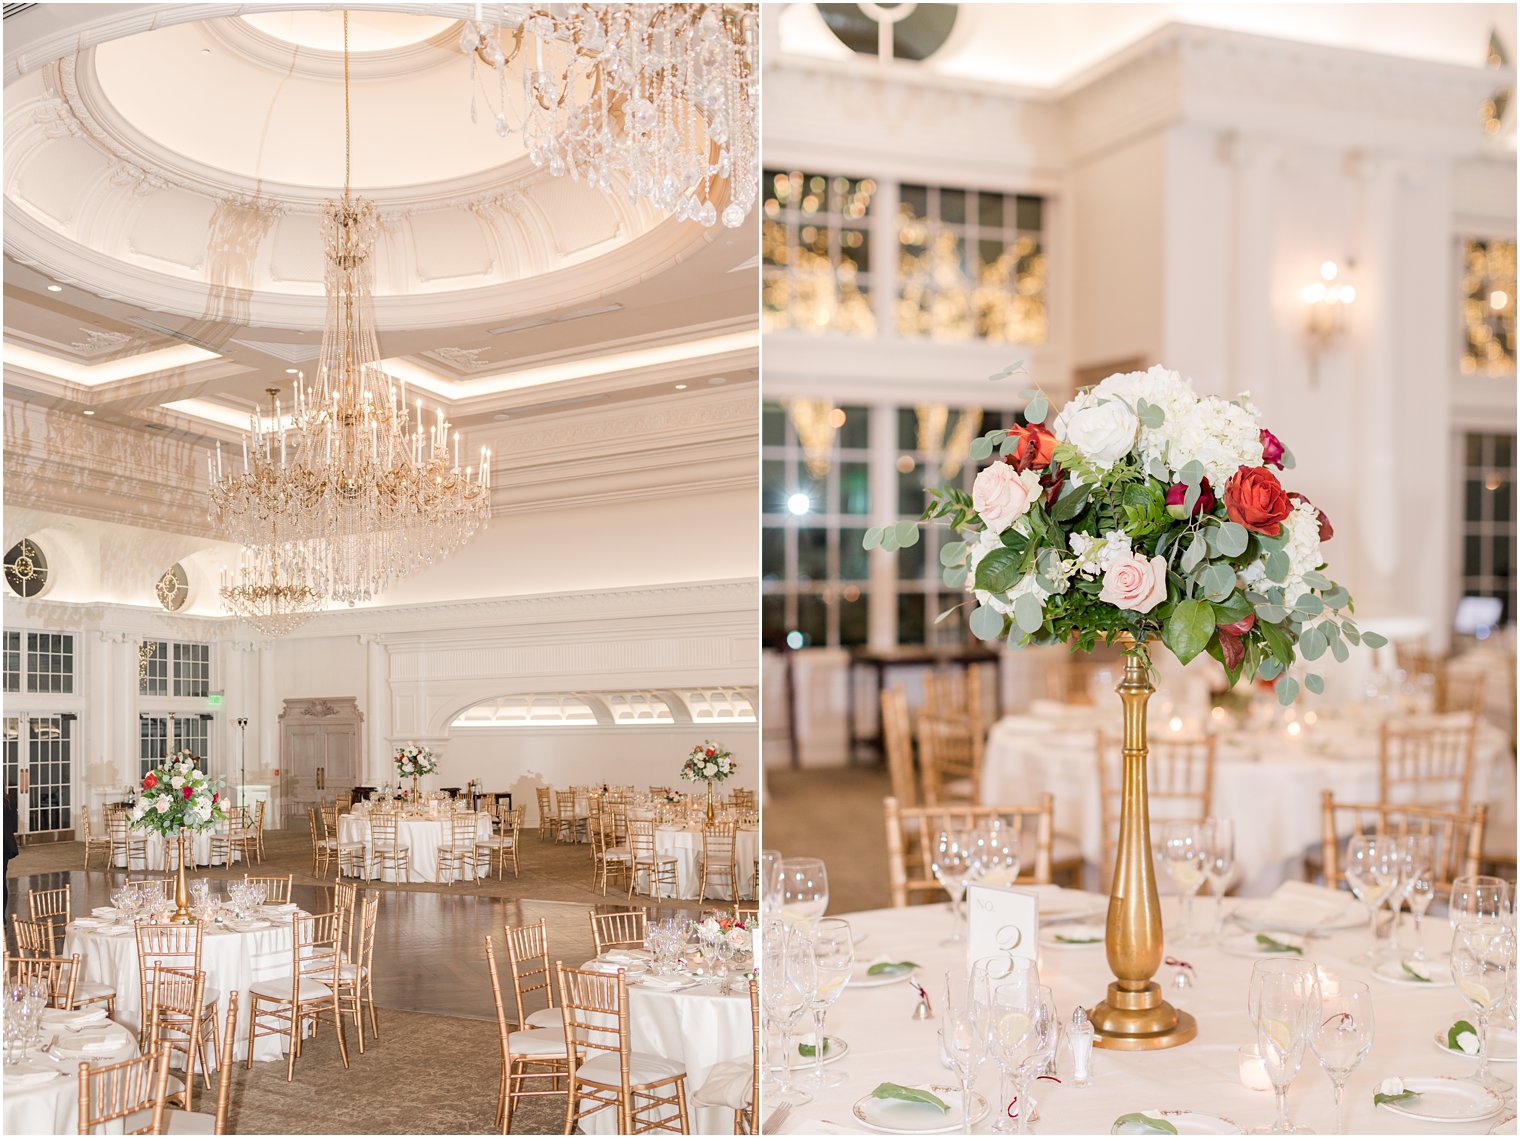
777,1117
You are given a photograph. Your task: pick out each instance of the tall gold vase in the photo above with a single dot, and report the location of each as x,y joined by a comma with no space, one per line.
1133,1016
711,813
181,890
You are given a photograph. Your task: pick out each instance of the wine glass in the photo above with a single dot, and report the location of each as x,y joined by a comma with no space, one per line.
1477,896
1218,863
803,891
769,885
1343,1035
833,959
788,981
1422,891
1371,871
1415,854
986,974
951,865
961,1036
1482,955
1284,1002
1182,848
1021,1025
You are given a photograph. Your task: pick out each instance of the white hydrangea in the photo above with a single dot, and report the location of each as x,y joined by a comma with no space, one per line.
1218,434
1094,555
1003,603
1304,555
1160,387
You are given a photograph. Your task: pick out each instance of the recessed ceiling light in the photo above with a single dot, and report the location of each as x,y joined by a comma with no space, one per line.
205,51
89,412
290,371
55,288
680,387
717,381
500,417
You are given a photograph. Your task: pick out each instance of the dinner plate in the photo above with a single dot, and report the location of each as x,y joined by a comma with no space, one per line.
1069,904
1186,1122
1444,1098
1069,936
1505,1125
105,911
1257,916
835,1050
1501,1045
632,967
1393,972
1246,944
91,922
894,1116
860,977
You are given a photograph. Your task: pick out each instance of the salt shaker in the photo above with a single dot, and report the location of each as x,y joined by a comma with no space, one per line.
1081,1037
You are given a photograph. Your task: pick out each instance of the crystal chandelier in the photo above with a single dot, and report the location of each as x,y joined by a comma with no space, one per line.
661,101
268,591
353,491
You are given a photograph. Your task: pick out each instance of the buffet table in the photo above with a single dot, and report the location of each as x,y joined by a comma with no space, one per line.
1266,775
886,1044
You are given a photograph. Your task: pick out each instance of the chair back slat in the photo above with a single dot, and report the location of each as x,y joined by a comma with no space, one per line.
625,929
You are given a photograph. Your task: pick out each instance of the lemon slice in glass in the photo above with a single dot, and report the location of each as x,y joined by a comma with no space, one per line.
1011,1027
1277,1031
1475,991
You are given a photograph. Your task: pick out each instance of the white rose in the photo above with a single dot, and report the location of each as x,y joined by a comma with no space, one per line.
162,806
1468,1042
1102,432
1394,1086
1002,495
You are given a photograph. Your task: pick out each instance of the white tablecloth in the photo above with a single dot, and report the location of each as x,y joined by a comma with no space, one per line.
697,1026
422,835
53,1107
1268,781
232,961
158,851
887,1044
686,844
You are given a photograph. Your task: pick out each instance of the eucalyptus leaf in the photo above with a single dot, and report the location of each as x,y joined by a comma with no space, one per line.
952,553
1309,605
1312,644
1190,499
1191,474
1403,1096
981,448
1218,582
892,967
1159,1125
1351,633
889,538
1317,580
1012,369
1339,650
1336,597
1193,555
1287,690
911,1094
1037,409
907,534
955,576
1374,640
1157,470
1028,614
807,1050
1272,614
1461,1027
1269,669
1149,414
986,623
872,538
1277,566
1232,539
1315,683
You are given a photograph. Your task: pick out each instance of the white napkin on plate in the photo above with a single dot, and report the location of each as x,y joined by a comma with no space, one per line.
91,922
90,1039
729,1084
1299,904
625,956
668,983
113,930
29,1073
58,1017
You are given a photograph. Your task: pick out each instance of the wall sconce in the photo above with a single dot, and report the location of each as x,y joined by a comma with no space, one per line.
1326,301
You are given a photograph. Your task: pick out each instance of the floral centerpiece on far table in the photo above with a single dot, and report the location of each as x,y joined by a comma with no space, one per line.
413,762
709,763
176,798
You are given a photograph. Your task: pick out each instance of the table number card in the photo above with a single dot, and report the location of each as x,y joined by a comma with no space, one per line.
1001,922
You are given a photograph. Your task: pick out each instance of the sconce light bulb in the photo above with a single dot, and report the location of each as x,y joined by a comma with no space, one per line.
1498,300
1314,293
1328,270
1348,294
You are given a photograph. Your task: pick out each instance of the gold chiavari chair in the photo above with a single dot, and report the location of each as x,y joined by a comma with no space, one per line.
742,799
750,913
234,843
1456,835
165,885
131,1092
897,742
170,1021
276,889
950,758
256,831
58,973
528,961
659,791
182,1122
916,880
456,858
957,694
486,804
356,975
571,824
718,860
323,848
620,823
385,847
33,939
93,842
1180,777
625,929
54,909
608,860
499,847
547,823
177,947
1427,760
284,1005
538,1055
658,869
131,845
747,1119
646,1092
1414,658
1459,690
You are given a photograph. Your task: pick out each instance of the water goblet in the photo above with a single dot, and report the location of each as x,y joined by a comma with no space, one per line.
1482,956
1284,1003
1477,896
833,958
1343,1034
986,974
769,885
788,980
804,891
1021,1027
1182,848
959,1038
1372,872
1218,863
951,865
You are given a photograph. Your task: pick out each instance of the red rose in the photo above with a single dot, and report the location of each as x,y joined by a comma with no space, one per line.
1271,449
214,797
1176,498
150,782
1255,499
1033,448
1326,530
188,793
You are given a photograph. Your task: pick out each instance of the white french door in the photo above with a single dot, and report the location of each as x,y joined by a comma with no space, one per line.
39,770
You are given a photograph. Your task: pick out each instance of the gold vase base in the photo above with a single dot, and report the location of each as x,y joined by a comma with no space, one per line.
1139,1021
182,917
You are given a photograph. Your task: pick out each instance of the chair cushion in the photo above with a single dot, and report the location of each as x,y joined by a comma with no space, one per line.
546,1017
617,853
541,1042
279,989
348,971
642,1068
187,1122
91,990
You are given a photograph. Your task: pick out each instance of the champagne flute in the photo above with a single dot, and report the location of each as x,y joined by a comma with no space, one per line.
951,865
1182,847
959,1038
804,891
1284,1003
788,980
833,959
1218,863
1343,1035
1482,955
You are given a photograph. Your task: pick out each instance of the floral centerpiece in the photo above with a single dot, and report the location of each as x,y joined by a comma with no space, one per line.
176,798
709,763
722,936
413,762
1144,513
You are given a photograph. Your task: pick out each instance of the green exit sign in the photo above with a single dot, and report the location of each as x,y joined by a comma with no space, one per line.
214,699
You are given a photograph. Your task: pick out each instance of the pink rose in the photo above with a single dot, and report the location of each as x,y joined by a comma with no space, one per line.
1271,449
1002,495
1134,583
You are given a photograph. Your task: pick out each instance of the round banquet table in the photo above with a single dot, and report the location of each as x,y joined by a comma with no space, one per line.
1266,778
53,1107
887,1044
158,850
686,843
421,833
697,1026
233,961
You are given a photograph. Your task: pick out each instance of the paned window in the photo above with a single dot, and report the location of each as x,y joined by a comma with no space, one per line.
1488,519
177,669
1488,307
192,731
12,656
50,662
816,252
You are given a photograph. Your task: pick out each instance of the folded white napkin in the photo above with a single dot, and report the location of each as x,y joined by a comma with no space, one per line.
1299,904
90,1039
29,1073
58,1017
626,955
729,1084
91,922
105,911
247,926
112,930
668,983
